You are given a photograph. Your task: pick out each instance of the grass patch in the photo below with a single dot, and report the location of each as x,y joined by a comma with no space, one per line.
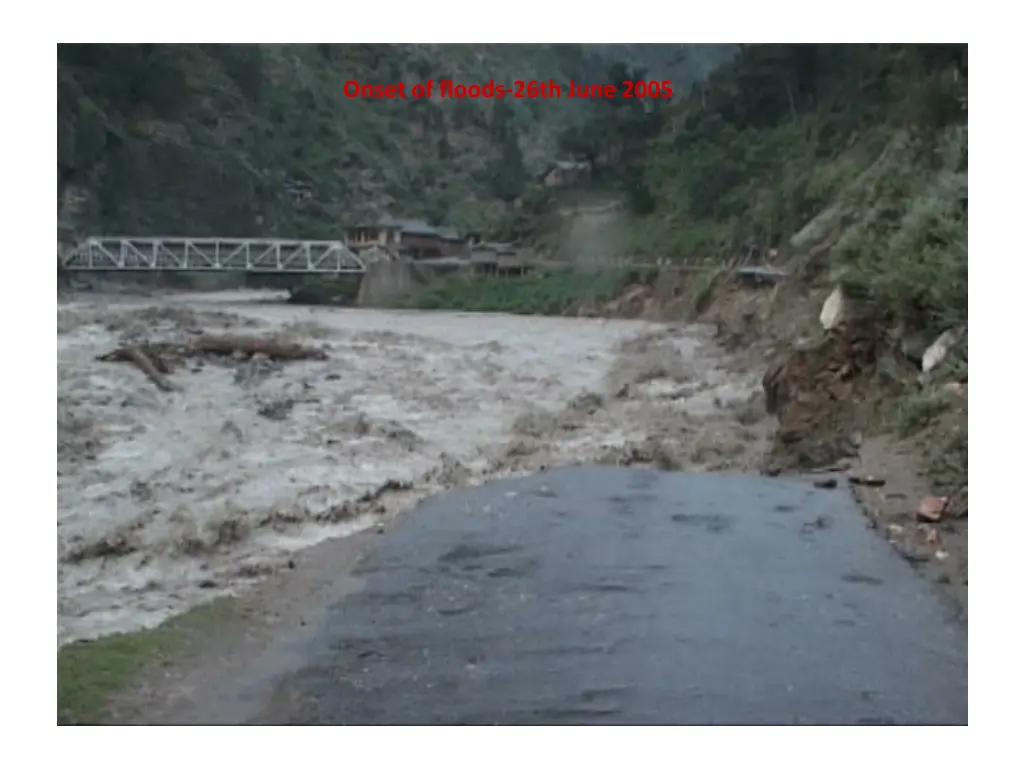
90,672
544,293
340,290
907,255
948,467
704,287
916,410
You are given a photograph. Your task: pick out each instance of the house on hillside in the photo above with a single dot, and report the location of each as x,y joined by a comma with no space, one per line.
412,238
418,240
385,235
499,259
454,245
565,173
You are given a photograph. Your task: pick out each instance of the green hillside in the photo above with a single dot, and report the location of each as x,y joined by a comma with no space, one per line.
261,139
850,160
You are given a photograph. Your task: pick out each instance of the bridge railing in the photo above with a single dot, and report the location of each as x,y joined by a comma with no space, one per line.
212,254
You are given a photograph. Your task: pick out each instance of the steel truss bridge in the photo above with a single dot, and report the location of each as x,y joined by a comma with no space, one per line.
212,254
297,257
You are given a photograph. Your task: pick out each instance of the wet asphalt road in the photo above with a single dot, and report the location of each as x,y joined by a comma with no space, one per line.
621,596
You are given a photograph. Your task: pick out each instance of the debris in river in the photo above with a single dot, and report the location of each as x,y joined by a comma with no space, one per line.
157,359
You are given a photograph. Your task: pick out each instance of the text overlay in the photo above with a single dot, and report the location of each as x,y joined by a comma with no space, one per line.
517,89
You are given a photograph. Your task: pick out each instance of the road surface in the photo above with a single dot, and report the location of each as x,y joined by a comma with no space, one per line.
618,596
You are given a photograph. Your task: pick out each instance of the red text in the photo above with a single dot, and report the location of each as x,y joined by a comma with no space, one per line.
517,89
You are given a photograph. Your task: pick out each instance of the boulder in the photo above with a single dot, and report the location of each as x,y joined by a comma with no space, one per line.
938,350
834,310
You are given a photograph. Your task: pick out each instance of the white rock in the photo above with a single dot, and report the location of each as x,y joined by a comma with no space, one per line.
833,309
937,352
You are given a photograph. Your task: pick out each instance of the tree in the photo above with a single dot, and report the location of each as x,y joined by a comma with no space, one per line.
444,147
581,141
638,195
509,177
502,120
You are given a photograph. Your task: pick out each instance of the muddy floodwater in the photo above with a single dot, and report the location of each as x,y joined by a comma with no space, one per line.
169,499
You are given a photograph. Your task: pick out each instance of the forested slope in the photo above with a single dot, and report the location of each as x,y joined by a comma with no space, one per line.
261,139
850,160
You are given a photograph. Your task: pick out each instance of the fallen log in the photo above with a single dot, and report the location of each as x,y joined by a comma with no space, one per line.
153,365
251,345
157,354
156,360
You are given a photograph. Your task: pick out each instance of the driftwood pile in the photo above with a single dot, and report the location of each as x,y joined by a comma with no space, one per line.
158,359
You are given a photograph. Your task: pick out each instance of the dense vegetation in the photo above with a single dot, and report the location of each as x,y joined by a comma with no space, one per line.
262,139
851,161
858,152
544,293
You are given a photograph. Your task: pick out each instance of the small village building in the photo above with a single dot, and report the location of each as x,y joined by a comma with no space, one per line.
422,241
566,173
385,236
411,238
